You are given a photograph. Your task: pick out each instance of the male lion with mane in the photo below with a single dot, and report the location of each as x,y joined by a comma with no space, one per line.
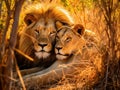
38,38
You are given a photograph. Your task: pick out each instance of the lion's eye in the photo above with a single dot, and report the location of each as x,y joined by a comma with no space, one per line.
68,39
52,33
36,31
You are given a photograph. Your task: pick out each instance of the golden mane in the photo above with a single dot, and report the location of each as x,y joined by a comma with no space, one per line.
52,11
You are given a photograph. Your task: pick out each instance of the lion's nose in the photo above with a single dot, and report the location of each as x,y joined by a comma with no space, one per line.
42,45
58,48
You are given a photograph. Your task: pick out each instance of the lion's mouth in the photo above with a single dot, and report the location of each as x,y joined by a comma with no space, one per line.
62,56
42,54
42,51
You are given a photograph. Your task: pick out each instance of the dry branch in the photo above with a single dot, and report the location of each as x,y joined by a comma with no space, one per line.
9,52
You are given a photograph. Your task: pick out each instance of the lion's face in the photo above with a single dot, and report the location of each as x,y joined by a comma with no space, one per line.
38,38
45,36
68,42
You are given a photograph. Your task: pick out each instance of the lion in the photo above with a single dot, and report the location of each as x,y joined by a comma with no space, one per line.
70,47
37,40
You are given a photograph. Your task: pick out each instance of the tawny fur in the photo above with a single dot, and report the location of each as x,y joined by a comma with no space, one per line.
40,29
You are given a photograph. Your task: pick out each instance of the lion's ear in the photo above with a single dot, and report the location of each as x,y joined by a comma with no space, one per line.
58,24
79,28
29,18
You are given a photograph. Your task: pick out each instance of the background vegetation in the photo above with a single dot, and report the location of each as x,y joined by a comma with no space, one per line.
100,16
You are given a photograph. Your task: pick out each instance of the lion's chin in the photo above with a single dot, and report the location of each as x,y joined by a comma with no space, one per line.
61,57
42,55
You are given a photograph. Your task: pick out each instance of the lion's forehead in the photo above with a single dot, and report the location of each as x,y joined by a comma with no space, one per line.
65,33
44,23
62,32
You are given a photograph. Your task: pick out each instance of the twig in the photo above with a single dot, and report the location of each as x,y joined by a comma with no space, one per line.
21,53
20,76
